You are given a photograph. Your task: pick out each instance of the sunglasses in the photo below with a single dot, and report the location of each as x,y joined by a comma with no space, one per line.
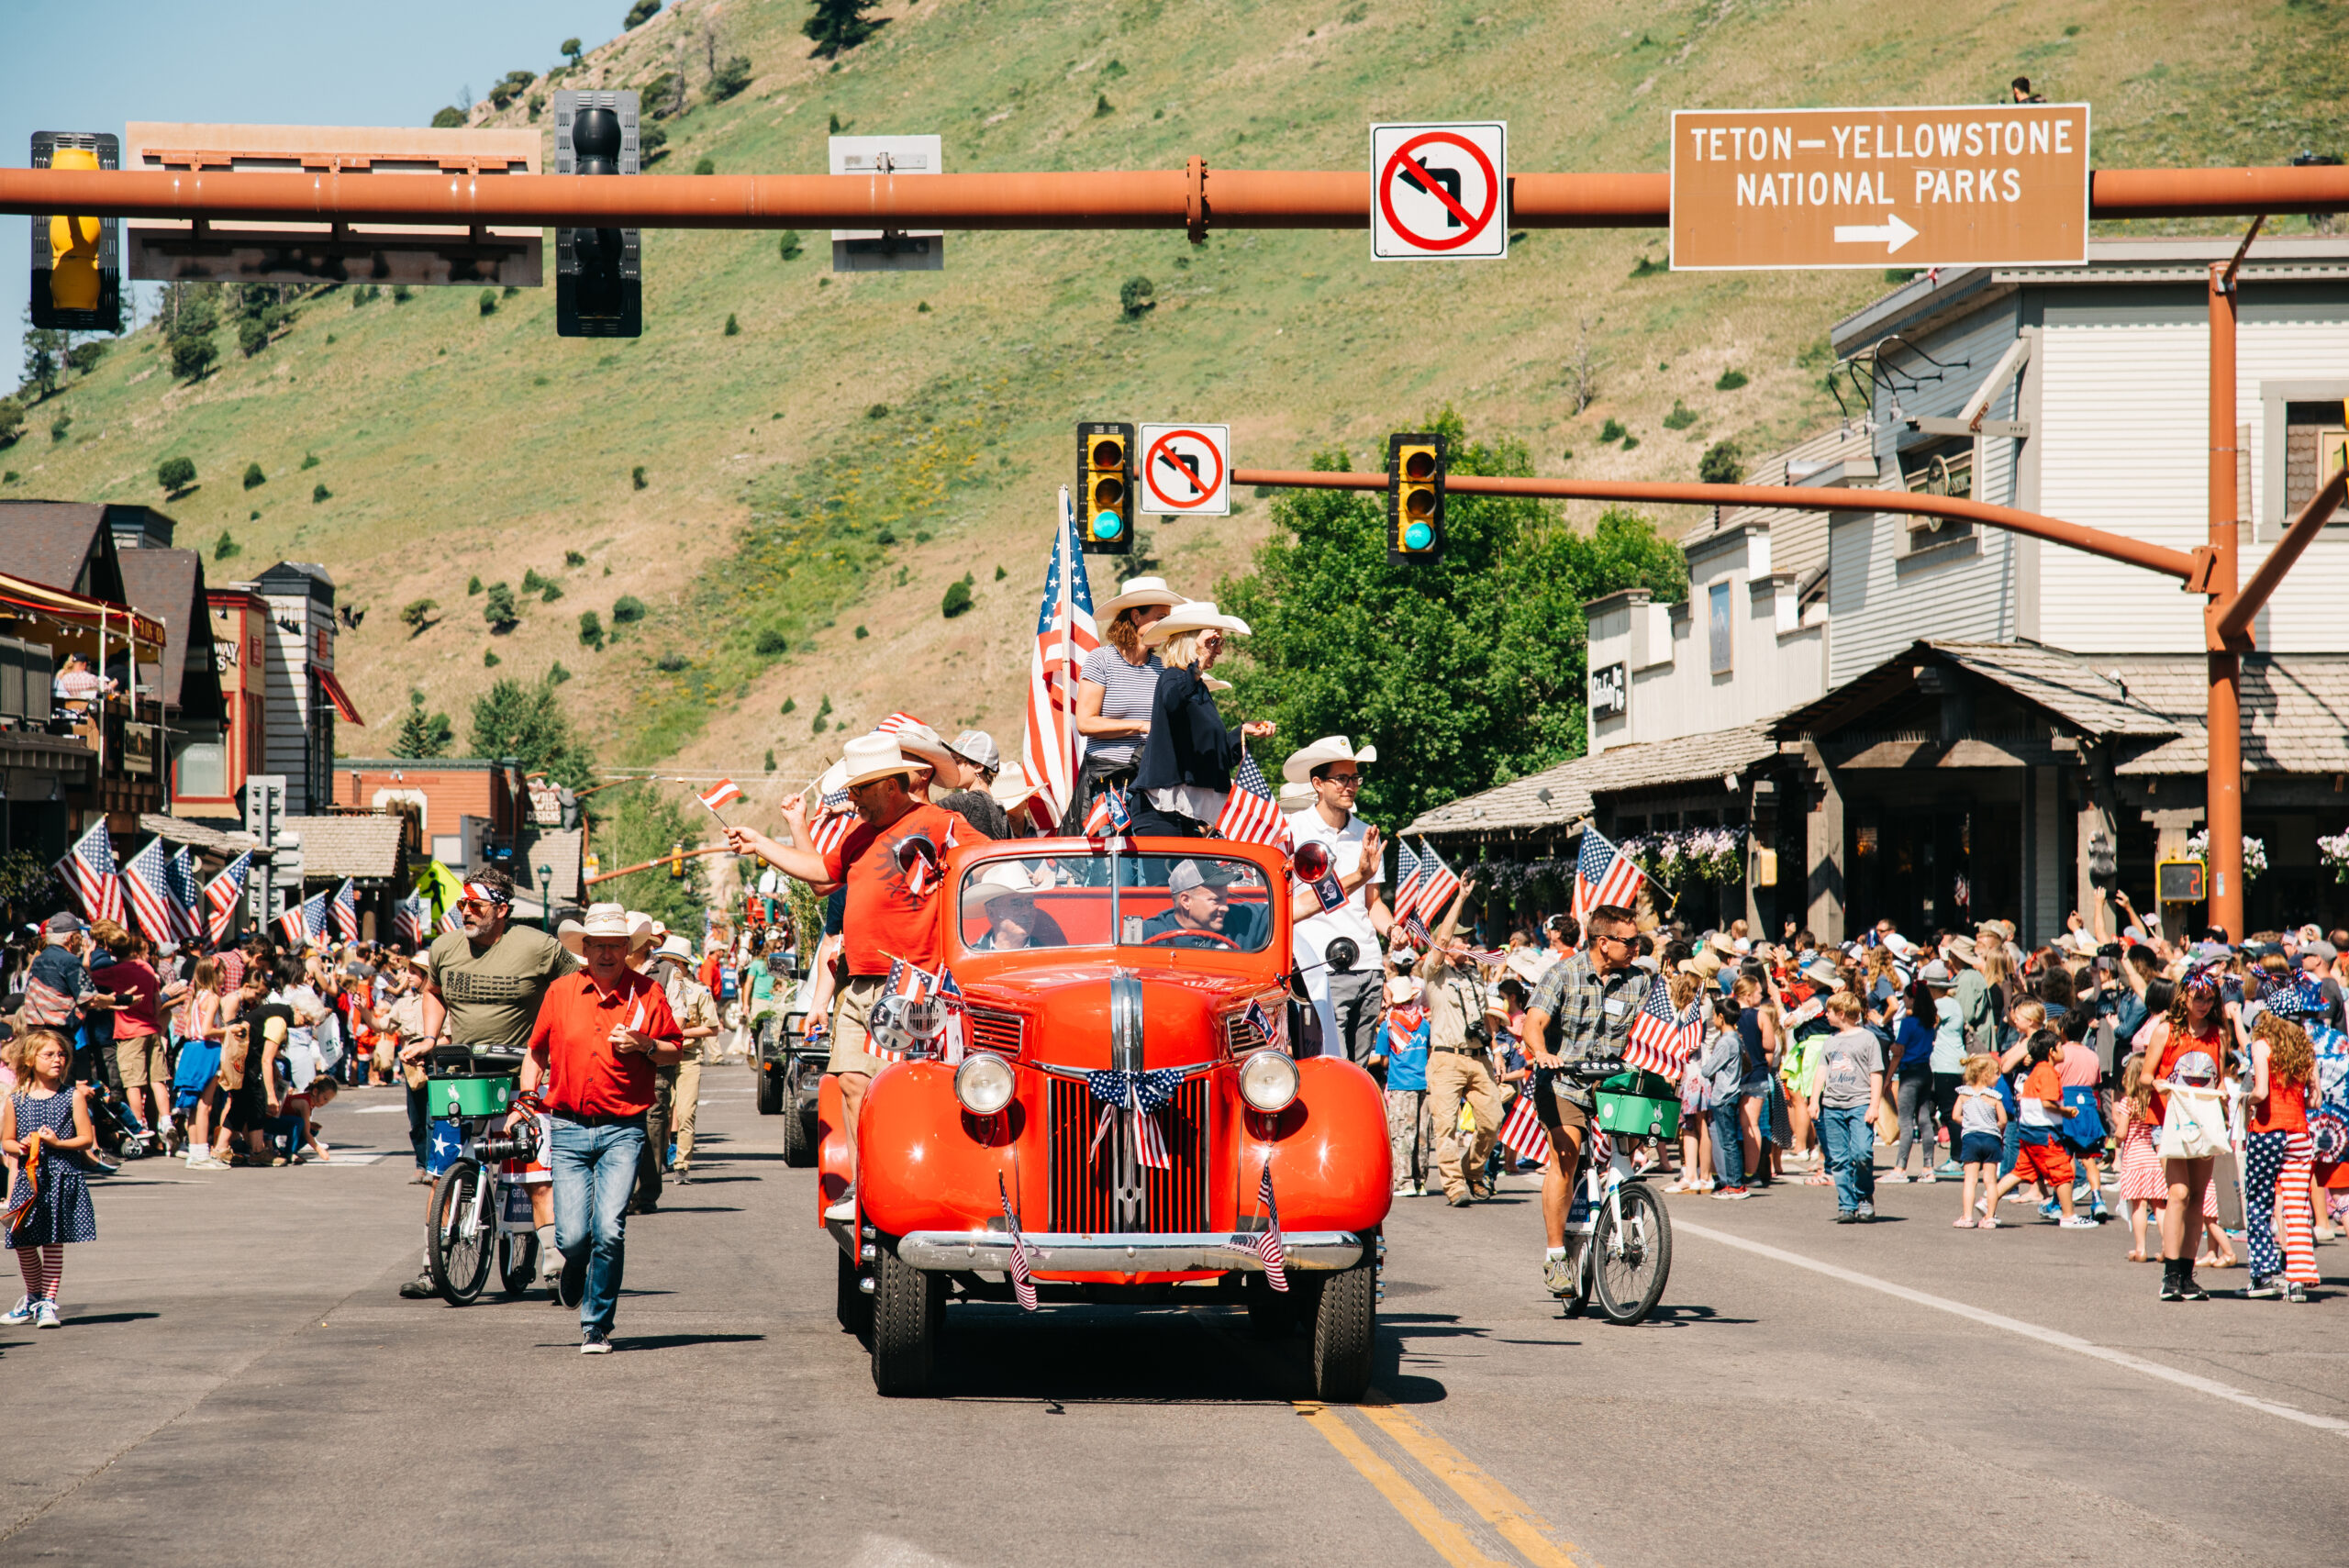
1343,781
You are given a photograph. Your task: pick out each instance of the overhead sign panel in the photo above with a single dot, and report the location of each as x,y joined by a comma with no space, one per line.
1439,190
1186,470
887,249
1971,185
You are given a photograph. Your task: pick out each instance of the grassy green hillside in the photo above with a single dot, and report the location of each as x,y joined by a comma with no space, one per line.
813,483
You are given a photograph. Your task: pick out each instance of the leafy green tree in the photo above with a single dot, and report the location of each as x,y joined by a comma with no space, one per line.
572,52
641,13
733,74
422,734
499,609
1464,672
44,361
192,357
1723,463
83,357
252,336
524,721
840,25
450,118
175,475
417,616
12,419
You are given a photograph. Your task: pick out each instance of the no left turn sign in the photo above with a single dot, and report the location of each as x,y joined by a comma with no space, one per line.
1186,470
1440,190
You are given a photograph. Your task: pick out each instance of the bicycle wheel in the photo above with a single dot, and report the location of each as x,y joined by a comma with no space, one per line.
517,1261
458,1239
1632,1255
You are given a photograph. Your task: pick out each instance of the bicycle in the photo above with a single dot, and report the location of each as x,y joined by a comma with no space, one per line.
477,1211
1625,1255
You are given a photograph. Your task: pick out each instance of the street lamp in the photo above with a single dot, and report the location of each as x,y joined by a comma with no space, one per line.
546,898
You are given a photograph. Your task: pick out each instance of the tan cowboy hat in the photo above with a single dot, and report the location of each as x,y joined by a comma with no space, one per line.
1011,789
1136,591
1962,949
1000,879
1402,991
921,741
1193,614
1299,767
1705,964
1530,965
603,920
876,756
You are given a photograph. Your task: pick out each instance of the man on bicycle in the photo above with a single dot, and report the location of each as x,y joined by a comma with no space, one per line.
1582,1009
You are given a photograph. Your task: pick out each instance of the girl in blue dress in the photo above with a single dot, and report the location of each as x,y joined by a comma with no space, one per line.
48,1204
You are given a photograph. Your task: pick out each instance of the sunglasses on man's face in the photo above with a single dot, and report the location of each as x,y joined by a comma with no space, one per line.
1343,781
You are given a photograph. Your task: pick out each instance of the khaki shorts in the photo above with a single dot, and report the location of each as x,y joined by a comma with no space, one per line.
851,1029
1556,1112
143,1059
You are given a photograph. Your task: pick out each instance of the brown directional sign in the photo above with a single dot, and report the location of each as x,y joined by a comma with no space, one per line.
1975,184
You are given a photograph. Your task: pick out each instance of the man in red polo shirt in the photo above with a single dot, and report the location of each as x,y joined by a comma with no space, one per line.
892,910
599,1034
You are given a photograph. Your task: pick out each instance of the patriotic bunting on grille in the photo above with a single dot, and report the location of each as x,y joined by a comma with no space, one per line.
1141,1096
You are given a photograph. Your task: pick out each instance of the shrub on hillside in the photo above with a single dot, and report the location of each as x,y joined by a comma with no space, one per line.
1731,381
60,427
705,164
733,74
733,327
176,474
226,547
670,663
636,477
958,598
771,643
472,587
450,118
1681,417
651,143
83,357
573,558
1137,294
320,493
790,245
1723,463
549,591
252,336
254,477
12,419
499,609
489,301
641,13
627,610
416,615
532,581
839,25
590,630
1611,432
192,357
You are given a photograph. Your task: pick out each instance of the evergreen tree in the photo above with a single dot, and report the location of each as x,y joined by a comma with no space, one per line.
422,734
525,722
840,25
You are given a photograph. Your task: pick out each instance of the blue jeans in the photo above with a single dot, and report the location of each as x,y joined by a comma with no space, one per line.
594,1171
2013,1146
1729,1141
1851,1154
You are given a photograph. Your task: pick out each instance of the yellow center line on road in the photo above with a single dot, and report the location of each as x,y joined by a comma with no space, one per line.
1496,1504
1448,1539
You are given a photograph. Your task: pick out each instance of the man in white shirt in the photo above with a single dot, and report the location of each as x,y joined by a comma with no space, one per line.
1348,1001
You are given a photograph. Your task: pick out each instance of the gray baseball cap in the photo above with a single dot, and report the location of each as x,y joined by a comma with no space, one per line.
63,921
1186,876
978,747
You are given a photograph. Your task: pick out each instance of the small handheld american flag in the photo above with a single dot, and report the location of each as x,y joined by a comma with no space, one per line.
1522,1130
222,894
1269,1244
410,915
1023,1277
90,870
346,910
1252,813
1603,874
896,724
1661,1037
1109,814
1406,880
1437,885
950,996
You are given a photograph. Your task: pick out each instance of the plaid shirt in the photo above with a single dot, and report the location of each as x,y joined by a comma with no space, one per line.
1590,1015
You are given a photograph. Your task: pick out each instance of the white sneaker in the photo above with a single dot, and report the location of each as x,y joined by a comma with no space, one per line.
845,1209
1402,1189
20,1314
1897,1178
44,1316
206,1162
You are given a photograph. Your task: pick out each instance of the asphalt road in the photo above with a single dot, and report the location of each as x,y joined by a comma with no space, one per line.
238,1383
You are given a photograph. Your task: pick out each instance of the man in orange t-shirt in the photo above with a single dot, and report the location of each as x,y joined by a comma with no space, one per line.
599,1034
892,863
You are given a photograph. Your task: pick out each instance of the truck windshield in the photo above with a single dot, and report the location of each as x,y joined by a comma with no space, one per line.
1173,900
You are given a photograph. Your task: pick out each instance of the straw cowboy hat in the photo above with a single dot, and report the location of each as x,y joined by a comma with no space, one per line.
1193,614
1962,949
1529,965
921,741
603,920
1141,591
876,756
1011,789
1002,879
1295,796
1704,964
1299,767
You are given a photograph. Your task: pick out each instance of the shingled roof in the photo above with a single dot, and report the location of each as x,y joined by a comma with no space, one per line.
366,846
1573,786
2295,712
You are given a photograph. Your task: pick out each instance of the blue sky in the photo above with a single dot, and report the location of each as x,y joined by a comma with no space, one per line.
259,62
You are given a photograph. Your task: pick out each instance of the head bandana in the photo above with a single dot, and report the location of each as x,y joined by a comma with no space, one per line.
482,893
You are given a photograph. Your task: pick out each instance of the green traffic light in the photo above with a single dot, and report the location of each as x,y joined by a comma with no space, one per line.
1418,536
1108,524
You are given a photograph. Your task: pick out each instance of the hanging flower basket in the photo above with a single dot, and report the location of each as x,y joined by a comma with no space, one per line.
2255,853
2335,851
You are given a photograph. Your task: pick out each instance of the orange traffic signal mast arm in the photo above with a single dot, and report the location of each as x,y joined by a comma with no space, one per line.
1197,197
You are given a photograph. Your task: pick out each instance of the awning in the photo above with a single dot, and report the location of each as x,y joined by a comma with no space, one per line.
75,609
340,698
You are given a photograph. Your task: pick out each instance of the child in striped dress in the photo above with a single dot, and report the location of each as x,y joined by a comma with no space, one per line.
44,1125
2144,1188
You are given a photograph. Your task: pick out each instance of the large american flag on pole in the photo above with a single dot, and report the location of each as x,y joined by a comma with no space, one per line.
1661,1037
223,893
90,870
187,894
306,921
346,910
1252,813
146,877
1438,885
1064,635
1603,874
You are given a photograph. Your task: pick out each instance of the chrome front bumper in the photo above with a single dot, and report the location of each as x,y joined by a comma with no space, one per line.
955,1251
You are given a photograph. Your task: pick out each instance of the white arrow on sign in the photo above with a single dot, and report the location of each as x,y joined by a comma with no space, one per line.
1891,229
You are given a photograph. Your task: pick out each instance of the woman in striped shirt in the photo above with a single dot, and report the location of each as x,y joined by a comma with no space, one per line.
1115,689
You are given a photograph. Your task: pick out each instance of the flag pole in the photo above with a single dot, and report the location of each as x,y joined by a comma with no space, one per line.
1064,699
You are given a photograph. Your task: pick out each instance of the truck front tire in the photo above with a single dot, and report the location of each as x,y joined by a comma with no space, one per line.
909,1313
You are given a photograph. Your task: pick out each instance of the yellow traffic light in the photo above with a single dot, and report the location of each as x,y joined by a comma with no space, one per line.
77,276
677,859
1105,488
1415,467
73,244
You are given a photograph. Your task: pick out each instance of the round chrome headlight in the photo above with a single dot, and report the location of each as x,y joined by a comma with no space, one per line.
983,1083
1268,1081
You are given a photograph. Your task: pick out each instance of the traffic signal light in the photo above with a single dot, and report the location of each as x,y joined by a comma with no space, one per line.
677,860
1414,497
77,260
599,272
1105,488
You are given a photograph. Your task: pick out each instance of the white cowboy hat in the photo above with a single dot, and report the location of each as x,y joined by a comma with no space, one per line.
1003,878
1193,614
1295,796
1402,990
1139,591
1299,767
919,741
1529,965
603,920
1011,789
876,756
676,947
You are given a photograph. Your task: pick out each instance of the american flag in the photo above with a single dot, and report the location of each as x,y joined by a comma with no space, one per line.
724,791
1066,633
1252,814
346,910
1603,874
911,982
1023,1277
897,723
830,830
451,921
1261,1021
1522,1132
1268,1244
146,877
187,894
1149,1138
89,869
1407,873
1437,885
411,915
306,921
1662,1038
951,995
223,893
1109,814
